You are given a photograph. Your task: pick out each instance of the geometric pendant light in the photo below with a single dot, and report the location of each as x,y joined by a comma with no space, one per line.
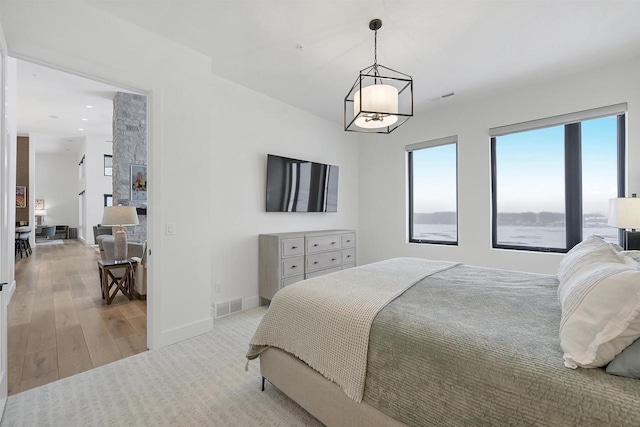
381,99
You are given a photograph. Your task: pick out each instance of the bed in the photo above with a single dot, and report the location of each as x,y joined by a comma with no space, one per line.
459,346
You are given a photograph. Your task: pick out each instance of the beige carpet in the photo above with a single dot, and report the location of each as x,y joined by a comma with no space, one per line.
199,382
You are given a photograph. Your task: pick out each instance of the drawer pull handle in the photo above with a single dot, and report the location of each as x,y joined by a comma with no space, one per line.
294,266
333,243
294,247
348,256
315,262
348,241
315,244
333,259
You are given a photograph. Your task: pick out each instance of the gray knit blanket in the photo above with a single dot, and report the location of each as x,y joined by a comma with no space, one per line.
479,347
325,321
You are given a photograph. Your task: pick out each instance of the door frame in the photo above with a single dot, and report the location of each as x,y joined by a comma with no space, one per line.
153,293
7,204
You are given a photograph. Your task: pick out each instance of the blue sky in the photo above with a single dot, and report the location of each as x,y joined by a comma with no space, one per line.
530,168
434,184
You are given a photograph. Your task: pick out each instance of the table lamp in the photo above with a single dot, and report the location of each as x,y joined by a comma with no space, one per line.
118,217
624,213
39,213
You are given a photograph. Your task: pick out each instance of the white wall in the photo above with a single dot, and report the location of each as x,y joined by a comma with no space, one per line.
76,36
56,181
238,179
96,184
198,135
383,201
81,180
31,195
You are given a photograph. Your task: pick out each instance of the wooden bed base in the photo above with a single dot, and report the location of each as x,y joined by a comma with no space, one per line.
320,397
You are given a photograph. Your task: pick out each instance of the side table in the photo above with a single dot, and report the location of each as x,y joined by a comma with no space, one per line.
119,275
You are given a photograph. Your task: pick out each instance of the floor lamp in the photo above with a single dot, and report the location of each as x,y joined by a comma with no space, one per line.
624,213
118,217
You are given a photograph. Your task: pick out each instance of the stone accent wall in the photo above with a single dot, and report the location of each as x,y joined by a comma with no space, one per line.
129,148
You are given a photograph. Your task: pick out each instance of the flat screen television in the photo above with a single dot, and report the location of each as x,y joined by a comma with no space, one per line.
301,186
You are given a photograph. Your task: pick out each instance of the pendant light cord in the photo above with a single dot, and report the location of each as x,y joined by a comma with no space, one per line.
375,47
375,57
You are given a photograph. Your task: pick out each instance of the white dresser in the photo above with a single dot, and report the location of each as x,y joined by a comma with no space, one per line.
286,258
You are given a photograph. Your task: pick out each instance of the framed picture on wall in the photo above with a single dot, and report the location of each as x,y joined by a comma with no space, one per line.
138,183
21,196
39,204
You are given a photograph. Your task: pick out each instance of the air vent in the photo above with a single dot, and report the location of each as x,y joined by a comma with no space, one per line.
228,307
446,95
222,309
235,305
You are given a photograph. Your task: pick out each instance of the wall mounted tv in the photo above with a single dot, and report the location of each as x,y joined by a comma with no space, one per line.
301,186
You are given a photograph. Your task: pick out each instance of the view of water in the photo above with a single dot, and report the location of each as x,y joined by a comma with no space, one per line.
516,235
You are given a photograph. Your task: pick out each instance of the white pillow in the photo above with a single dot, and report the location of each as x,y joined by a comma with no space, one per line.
591,249
599,293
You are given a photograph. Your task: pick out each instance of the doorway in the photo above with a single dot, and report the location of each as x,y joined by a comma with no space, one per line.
58,322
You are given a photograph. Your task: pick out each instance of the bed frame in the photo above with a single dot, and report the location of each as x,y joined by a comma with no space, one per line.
320,397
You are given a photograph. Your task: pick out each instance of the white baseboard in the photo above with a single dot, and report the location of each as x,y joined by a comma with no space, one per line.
250,302
3,384
182,333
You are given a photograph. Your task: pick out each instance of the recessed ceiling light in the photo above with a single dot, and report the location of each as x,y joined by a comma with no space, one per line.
53,117
89,106
83,119
80,129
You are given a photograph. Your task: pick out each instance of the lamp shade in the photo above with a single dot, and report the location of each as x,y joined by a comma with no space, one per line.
624,212
40,212
379,106
120,216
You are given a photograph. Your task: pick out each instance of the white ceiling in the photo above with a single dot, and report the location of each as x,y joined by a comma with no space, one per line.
472,48
52,104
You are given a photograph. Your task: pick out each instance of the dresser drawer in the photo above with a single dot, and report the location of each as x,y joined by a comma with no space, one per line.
292,266
292,247
322,272
348,266
348,256
291,280
324,260
348,240
323,243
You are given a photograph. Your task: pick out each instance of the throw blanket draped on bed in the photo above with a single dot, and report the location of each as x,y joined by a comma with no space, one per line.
325,321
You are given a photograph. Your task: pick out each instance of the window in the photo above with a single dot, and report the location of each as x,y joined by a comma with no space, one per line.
108,165
108,200
552,185
433,188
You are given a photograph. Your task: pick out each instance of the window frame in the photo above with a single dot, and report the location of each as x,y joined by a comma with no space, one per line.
104,164
105,197
573,178
422,146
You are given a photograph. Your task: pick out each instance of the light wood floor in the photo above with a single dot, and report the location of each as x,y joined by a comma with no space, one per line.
58,323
